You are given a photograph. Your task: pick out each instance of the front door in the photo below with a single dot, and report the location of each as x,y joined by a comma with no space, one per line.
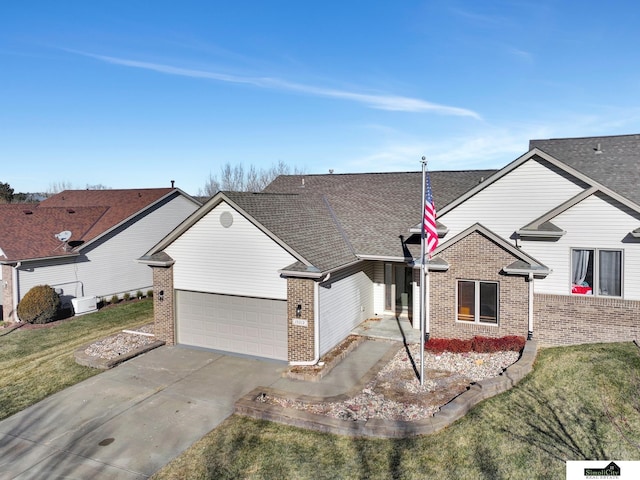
398,289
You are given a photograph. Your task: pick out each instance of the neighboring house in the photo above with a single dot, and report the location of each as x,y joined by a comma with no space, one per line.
547,247
84,243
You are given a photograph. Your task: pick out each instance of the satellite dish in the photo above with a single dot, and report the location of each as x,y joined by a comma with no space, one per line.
63,236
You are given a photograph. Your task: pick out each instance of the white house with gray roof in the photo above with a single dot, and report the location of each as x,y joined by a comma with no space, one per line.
545,247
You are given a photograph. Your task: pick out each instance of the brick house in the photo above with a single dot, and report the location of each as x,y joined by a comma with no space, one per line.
545,247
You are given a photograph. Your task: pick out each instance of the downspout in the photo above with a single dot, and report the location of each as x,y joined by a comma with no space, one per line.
530,332
316,326
14,280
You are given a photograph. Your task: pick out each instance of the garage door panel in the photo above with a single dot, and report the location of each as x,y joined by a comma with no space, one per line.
249,326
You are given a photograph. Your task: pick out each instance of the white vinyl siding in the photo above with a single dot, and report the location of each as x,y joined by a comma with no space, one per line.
345,301
378,288
59,274
239,260
513,201
109,265
591,224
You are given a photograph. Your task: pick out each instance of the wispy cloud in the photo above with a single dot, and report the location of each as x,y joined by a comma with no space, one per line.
371,100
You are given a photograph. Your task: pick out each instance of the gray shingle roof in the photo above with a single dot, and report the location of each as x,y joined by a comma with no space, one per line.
373,210
304,222
613,161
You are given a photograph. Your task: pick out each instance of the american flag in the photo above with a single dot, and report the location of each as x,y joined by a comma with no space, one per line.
429,222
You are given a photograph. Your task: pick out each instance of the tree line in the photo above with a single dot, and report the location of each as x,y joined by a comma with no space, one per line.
230,178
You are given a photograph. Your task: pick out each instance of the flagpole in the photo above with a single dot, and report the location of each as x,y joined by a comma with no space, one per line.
422,273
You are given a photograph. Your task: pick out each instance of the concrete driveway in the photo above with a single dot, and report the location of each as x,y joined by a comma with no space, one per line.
128,422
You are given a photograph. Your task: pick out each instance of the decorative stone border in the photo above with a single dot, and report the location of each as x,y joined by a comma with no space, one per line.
250,406
103,363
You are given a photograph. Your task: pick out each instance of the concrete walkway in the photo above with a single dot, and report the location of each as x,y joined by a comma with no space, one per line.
389,328
130,421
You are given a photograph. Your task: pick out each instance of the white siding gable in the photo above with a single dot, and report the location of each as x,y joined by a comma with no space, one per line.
511,202
238,260
592,223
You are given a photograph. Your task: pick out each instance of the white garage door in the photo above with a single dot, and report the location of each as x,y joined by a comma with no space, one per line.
251,326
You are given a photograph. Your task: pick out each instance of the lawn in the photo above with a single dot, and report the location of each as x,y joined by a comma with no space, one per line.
37,363
579,403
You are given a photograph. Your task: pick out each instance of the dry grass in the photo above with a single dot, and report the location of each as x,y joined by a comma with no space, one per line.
577,404
36,363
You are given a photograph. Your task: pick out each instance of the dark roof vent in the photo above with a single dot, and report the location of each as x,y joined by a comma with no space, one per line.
70,210
28,212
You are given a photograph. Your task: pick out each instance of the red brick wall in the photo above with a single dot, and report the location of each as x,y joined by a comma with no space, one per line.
475,257
163,305
300,291
570,320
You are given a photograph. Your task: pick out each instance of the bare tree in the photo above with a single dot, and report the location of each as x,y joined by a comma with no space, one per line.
57,187
236,178
98,186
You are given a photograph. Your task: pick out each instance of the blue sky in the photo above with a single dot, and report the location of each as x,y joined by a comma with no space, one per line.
134,94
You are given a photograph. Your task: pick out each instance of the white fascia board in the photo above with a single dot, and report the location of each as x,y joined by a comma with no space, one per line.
540,233
537,272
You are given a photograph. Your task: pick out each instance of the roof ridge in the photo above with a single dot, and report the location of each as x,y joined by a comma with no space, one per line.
585,138
339,226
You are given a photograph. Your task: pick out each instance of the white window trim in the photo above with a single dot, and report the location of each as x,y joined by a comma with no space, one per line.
596,271
476,320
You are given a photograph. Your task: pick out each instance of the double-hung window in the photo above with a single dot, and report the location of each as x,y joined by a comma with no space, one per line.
477,301
596,272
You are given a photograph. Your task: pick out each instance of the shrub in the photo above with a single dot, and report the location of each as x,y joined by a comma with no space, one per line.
114,299
41,304
476,344
150,293
454,345
139,294
126,296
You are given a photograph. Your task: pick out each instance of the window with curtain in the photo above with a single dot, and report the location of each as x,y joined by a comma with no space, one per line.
477,301
596,272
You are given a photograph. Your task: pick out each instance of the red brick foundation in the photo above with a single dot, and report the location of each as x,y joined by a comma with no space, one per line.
300,291
163,305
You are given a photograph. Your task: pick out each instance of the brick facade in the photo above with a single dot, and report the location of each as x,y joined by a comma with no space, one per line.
573,319
7,293
163,305
476,257
300,291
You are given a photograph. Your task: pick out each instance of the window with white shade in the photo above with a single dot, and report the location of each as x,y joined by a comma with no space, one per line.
596,271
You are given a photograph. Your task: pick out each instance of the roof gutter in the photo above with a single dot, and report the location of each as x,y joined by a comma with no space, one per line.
155,263
13,262
538,272
318,274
